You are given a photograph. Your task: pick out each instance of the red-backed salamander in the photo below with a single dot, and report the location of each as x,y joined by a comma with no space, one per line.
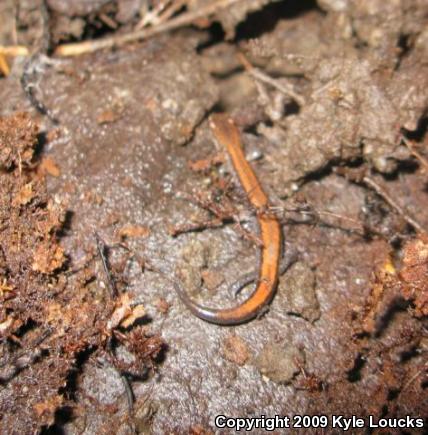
227,134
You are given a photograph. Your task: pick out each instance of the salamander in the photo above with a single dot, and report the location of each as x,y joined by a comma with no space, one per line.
227,135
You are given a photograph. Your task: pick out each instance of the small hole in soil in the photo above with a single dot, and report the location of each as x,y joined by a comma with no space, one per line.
321,173
70,388
403,43
408,166
62,416
265,20
354,375
396,243
66,224
41,142
31,324
393,394
418,134
409,354
292,108
384,411
95,27
397,305
216,35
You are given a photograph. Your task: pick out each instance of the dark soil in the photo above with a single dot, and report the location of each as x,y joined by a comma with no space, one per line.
111,184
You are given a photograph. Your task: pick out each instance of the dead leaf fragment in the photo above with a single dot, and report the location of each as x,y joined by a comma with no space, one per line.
48,166
136,313
46,410
204,165
162,305
18,135
48,258
125,314
110,115
5,325
133,231
106,117
200,430
24,196
212,279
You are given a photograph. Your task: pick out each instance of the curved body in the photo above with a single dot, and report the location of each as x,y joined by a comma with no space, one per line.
227,134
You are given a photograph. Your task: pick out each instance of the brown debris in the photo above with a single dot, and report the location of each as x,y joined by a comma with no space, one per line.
48,258
46,410
233,14
48,166
200,430
124,314
24,196
410,281
133,231
51,314
111,115
162,305
147,349
235,349
17,139
414,274
212,279
203,165
382,291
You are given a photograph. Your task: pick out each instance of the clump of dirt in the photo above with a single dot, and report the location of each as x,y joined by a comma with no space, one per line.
333,84
300,292
280,362
235,350
17,138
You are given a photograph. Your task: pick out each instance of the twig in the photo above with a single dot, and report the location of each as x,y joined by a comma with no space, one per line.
176,230
128,391
110,278
263,77
11,51
14,50
388,199
414,377
160,13
169,12
118,40
150,16
24,358
308,210
224,213
315,213
4,67
129,394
